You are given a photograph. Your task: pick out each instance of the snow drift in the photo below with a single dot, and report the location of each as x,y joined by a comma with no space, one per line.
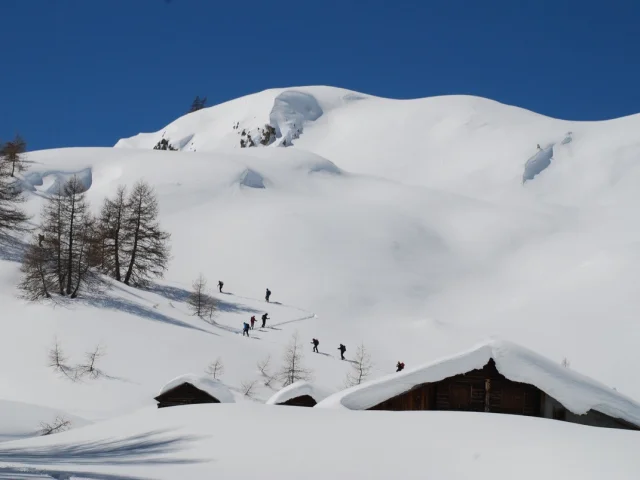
213,387
298,389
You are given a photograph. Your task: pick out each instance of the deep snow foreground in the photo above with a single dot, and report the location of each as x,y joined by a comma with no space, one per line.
256,441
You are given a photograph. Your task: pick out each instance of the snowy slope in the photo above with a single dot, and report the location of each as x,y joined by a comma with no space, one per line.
406,225
467,144
257,441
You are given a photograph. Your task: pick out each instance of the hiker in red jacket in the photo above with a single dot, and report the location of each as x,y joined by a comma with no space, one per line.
399,367
253,321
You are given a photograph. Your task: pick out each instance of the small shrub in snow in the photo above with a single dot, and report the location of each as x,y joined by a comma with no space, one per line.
215,368
248,387
90,368
200,302
360,368
60,424
58,362
264,366
293,369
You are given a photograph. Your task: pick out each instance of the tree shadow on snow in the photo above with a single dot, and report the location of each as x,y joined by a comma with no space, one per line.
176,294
151,448
122,305
27,473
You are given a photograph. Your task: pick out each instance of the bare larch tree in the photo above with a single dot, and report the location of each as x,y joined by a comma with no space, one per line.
198,300
198,104
12,154
60,257
60,424
147,245
360,367
111,233
90,366
292,368
37,274
12,217
215,368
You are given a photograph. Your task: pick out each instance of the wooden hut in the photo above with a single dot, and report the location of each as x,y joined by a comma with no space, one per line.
506,379
298,394
191,390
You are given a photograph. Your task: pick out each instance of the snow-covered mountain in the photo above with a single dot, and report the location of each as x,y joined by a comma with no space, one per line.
416,227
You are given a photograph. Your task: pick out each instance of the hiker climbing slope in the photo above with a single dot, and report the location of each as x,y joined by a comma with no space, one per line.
220,285
315,342
267,295
265,317
245,329
342,349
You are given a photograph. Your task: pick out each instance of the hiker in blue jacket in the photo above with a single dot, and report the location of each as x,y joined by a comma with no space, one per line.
245,329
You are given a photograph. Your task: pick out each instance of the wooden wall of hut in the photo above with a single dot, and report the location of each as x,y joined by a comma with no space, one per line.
301,401
480,390
185,394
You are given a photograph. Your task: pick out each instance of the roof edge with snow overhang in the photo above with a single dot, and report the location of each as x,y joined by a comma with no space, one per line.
298,389
576,392
215,388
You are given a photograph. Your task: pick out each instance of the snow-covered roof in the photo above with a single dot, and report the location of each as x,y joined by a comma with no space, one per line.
213,387
576,392
298,389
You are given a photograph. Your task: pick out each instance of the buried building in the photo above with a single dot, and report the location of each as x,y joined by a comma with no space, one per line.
193,389
298,394
496,377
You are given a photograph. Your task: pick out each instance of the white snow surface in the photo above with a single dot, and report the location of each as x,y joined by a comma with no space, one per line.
576,392
403,225
298,389
209,385
21,420
249,441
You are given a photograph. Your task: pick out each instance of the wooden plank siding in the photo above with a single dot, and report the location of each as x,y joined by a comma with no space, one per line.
301,401
479,390
185,394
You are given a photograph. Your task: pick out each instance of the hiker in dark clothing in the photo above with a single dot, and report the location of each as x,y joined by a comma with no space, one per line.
399,367
315,343
342,349
220,285
268,295
253,321
265,317
245,329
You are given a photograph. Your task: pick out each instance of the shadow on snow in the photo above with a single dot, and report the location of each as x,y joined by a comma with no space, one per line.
152,448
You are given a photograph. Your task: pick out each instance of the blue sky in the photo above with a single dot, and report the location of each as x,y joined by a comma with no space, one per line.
87,72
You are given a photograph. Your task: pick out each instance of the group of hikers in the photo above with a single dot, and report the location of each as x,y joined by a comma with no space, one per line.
246,326
315,342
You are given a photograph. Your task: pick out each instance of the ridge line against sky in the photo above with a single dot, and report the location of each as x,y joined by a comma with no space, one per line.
89,73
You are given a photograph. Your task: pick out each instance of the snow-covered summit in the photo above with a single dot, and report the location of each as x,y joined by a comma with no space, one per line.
576,392
468,144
